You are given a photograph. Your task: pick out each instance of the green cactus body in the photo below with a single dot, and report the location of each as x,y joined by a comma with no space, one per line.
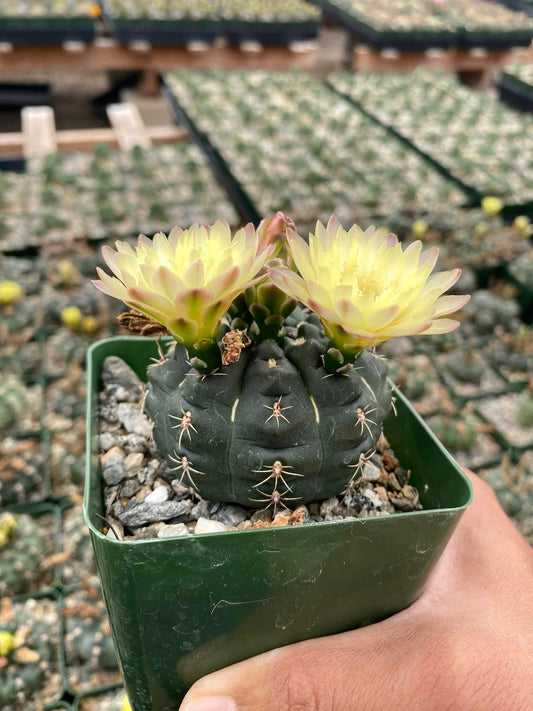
457,435
29,674
23,545
13,401
19,321
466,367
524,414
90,652
272,428
22,471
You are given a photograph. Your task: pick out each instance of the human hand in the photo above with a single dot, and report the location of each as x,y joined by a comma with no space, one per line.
465,645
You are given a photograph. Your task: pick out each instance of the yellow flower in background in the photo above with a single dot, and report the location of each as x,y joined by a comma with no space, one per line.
8,524
492,205
419,229
126,706
187,281
71,316
6,643
10,291
522,224
365,288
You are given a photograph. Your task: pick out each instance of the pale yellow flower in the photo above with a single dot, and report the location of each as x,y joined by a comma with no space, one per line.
366,288
492,205
6,643
186,281
10,291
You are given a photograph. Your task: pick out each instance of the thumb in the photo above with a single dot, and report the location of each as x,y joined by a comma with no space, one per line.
337,673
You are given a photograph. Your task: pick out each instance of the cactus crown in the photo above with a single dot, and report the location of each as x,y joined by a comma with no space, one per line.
289,325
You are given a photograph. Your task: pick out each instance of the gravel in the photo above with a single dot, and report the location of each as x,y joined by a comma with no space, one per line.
145,500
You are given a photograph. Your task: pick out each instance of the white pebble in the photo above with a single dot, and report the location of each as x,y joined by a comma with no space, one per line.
174,529
205,525
157,496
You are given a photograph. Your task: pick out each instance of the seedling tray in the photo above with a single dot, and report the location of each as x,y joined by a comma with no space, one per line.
46,31
526,7
162,32
515,92
387,39
237,194
269,33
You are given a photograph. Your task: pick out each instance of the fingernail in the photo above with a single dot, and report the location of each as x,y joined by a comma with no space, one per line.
210,703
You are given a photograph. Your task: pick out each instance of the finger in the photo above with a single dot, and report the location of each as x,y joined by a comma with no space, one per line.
344,672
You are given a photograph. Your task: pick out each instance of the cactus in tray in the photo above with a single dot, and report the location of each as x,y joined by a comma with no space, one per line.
457,435
90,653
464,365
28,651
13,400
22,547
22,464
273,393
524,414
18,317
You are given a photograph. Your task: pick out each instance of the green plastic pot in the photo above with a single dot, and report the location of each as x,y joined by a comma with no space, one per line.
180,608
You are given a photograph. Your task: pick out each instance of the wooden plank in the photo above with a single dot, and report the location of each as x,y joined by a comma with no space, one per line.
11,144
108,54
38,131
453,60
128,125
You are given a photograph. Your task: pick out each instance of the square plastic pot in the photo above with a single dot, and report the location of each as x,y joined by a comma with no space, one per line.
180,608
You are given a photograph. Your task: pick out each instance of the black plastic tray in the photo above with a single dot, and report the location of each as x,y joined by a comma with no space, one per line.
237,194
269,33
162,32
51,31
518,5
384,39
17,95
472,196
515,92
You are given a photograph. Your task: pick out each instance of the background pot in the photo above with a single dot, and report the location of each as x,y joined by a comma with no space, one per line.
182,607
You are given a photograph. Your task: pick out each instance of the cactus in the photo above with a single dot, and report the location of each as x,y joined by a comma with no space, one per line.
457,435
19,316
263,402
465,366
80,564
22,463
524,414
487,311
13,401
282,427
23,546
90,653
24,361
28,651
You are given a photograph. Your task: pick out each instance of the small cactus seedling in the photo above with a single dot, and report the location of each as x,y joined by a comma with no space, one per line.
13,400
487,311
23,546
22,464
465,366
90,654
28,654
459,435
19,316
265,401
524,413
